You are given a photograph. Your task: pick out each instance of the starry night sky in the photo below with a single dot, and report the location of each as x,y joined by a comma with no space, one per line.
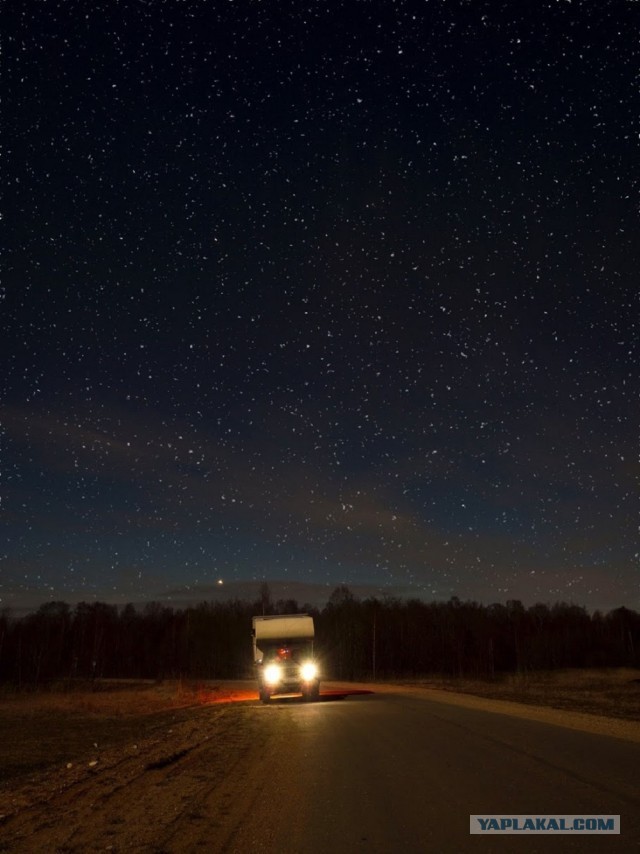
320,293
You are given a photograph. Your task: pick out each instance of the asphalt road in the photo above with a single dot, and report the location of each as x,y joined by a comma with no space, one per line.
395,772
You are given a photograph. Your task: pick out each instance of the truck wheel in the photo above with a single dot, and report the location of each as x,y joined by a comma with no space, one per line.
312,693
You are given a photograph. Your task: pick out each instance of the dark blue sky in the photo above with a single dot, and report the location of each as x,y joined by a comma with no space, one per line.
337,294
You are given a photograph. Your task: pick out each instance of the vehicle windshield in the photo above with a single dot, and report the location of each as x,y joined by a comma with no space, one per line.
289,652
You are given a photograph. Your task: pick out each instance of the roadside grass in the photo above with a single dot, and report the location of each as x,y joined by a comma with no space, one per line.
611,692
69,722
110,697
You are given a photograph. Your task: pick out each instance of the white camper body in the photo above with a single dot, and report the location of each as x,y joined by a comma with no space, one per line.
283,656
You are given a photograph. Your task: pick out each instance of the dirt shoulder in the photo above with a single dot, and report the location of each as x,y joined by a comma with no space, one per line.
170,790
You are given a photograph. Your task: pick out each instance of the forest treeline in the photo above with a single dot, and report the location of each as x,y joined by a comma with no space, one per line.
372,638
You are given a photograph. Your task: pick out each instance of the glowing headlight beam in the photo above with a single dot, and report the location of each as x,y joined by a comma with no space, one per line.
272,674
308,671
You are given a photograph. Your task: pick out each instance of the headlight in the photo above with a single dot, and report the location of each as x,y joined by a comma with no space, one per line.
308,671
272,674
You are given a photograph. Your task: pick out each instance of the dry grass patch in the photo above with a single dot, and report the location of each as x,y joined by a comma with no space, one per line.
106,697
69,723
611,693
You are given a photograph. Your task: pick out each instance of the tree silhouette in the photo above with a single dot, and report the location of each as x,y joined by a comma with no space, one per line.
380,638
